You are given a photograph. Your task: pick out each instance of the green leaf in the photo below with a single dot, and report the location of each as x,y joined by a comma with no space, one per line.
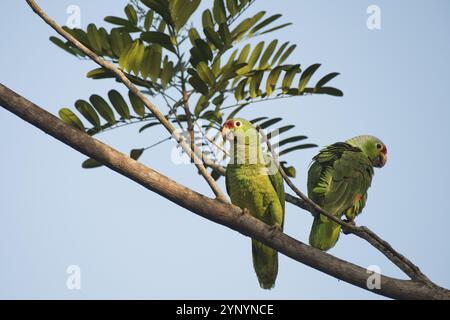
204,49
242,28
70,118
126,60
63,45
232,7
100,73
218,101
289,77
255,54
279,131
161,7
239,92
119,104
149,125
137,104
88,112
162,26
254,121
289,140
232,71
103,108
279,52
326,79
277,28
215,67
264,23
182,10
198,84
213,37
131,14
255,83
136,153
159,38
118,21
220,15
225,34
105,43
207,20
148,20
79,34
269,123
206,74
135,57
246,24
263,64
201,105
306,76
155,62
91,164
214,116
94,38
287,53
299,147
118,42
244,54
272,80
167,72
329,90
193,35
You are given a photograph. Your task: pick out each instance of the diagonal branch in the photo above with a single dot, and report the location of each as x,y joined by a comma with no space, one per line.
124,79
363,232
212,209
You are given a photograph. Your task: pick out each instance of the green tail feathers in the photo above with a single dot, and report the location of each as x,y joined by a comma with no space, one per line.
265,263
324,235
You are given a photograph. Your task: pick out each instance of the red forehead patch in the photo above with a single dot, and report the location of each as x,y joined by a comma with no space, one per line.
384,150
229,124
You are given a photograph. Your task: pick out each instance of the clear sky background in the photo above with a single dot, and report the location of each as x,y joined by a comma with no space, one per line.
131,243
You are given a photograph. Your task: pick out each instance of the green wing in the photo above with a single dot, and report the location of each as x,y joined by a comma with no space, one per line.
345,175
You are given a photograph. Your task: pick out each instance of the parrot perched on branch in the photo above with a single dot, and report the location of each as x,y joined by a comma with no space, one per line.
254,183
338,180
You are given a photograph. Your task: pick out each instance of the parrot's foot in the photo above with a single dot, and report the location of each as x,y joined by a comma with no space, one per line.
245,211
274,228
351,222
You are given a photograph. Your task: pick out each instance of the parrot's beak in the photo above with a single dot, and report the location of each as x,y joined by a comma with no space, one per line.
380,161
227,133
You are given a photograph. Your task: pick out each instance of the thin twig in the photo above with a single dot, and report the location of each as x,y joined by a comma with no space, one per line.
363,232
123,78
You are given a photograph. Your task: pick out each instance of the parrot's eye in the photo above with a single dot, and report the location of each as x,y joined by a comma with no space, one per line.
379,146
237,124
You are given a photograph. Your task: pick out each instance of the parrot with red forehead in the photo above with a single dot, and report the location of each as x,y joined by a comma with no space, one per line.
254,183
338,180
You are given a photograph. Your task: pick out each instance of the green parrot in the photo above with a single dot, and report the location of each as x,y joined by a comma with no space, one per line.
338,180
254,183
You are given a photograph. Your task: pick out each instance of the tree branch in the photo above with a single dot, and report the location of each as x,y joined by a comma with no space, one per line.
124,79
212,209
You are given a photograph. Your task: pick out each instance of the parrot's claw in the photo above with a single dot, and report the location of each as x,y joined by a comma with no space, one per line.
245,211
351,222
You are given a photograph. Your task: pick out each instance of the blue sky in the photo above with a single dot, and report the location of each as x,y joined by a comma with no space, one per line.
131,243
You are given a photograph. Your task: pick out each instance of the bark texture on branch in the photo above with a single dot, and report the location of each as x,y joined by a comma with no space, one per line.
214,210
